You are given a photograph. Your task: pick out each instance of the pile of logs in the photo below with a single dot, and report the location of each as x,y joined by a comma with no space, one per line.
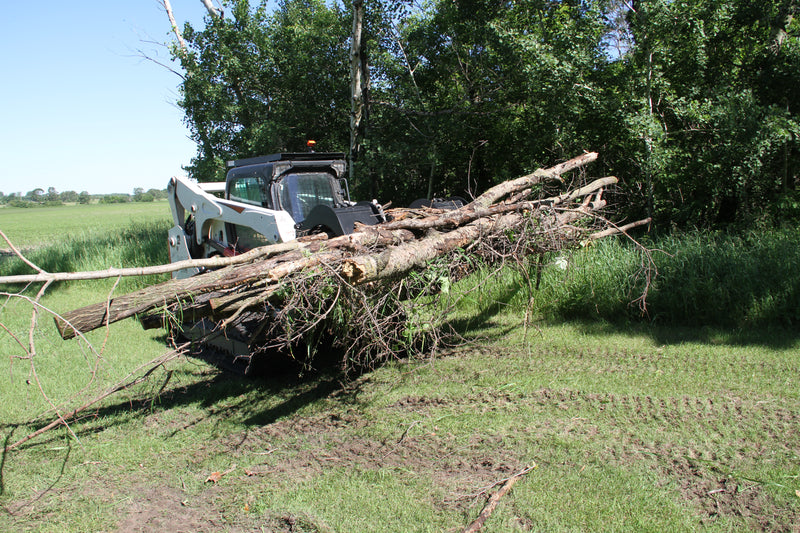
368,261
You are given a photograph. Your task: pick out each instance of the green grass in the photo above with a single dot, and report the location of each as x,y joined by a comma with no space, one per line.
716,280
93,237
631,425
34,227
627,434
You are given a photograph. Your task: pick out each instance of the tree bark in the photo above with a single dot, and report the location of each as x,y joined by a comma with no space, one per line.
213,11
226,279
174,25
499,191
356,82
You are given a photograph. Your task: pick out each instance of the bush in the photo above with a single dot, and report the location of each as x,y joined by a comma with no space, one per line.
115,199
22,203
146,197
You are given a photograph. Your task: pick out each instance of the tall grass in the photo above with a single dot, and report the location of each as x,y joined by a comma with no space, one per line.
705,279
713,279
31,228
142,243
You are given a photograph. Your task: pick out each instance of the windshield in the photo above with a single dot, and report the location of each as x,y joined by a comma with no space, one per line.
300,193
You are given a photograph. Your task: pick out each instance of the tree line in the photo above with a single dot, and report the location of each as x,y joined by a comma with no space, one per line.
39,198
693,104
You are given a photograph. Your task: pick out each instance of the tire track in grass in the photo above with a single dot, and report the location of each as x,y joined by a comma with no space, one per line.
701,446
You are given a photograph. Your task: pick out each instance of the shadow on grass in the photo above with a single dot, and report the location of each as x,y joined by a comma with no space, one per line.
252,401
775,337
484,317
494,323
747,280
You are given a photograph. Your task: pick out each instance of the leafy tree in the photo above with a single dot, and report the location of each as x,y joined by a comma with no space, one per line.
709,124
157,194
258,83
69,196
84,197
693,104
140,196
115,199
52,195
471,92
35,195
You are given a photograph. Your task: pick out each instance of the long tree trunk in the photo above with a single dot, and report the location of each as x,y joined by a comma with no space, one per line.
222,281
356,83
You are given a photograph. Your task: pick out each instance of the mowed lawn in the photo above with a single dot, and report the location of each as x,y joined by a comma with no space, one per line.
641,430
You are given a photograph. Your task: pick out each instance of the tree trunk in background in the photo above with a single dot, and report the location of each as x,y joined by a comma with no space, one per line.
356,82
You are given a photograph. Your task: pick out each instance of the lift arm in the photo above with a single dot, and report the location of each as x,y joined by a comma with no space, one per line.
212,213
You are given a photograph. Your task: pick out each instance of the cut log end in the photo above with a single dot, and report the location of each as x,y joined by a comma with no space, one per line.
357,269
64,329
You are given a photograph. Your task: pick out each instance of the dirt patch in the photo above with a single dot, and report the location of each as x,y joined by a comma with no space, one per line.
302,448
164,509
719,495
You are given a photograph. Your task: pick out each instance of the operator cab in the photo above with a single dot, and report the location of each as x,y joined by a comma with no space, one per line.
294,182
310,186
300,193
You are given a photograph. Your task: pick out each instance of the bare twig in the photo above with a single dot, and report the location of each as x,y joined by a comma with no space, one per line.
211,262
19,254
131,380
615,230
491,504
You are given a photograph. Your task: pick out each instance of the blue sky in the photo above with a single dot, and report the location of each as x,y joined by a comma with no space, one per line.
80,109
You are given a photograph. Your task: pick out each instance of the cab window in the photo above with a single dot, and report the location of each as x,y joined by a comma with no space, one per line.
247,190
300,193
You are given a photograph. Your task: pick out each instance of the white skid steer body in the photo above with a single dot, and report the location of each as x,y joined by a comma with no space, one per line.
206,232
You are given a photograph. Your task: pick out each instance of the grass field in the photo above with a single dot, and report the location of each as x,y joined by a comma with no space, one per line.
630,426
36,226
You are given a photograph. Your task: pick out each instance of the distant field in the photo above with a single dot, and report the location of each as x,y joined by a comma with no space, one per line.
31,227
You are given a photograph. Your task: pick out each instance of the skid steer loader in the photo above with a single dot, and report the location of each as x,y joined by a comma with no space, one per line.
264,200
